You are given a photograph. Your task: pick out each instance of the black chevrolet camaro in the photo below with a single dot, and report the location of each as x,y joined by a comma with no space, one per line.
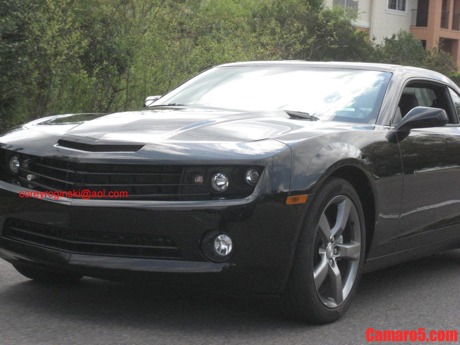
281,178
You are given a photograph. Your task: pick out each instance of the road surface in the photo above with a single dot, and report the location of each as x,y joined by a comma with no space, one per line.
418,294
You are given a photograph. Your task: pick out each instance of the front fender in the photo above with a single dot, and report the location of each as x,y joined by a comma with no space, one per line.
329,158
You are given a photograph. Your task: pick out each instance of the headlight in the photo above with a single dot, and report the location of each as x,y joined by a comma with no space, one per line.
14,164
219,182
252,177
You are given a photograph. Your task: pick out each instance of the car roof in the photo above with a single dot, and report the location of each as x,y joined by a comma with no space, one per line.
395,69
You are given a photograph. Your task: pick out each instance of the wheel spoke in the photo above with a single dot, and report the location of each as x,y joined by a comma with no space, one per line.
343,213
324,227
350,251
321,271
336,283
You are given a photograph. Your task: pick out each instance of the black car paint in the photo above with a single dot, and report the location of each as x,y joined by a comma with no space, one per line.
411,203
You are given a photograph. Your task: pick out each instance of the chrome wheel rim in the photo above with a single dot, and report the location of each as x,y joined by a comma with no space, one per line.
337,251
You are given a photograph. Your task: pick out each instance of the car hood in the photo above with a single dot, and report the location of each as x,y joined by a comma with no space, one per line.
167,132
155,126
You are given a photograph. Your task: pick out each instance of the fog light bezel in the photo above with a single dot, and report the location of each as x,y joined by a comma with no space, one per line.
209,249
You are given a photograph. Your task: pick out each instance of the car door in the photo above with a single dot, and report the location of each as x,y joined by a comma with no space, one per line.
430,208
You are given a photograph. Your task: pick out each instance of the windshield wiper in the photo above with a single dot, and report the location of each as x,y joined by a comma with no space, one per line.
167,105
301,115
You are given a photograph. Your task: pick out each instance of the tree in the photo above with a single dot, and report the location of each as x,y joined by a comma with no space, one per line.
441,61
188,36
14,59
56,41
404,49
296,29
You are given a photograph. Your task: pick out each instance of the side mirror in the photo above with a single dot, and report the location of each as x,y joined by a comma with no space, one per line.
150,100
418,117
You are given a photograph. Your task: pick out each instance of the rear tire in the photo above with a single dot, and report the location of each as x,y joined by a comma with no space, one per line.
329,257
46,276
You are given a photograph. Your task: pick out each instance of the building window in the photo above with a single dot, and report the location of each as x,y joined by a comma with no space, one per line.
351,5
397,5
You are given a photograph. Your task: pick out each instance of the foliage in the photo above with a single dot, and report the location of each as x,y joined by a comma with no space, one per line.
13,57
401,49
56,41
440,61
405,49
190,36
295,30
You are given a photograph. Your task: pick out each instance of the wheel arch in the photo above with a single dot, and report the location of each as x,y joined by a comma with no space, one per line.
353,171
337,160
362,184
346,161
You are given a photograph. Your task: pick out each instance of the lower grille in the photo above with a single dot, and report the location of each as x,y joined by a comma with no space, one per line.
89,242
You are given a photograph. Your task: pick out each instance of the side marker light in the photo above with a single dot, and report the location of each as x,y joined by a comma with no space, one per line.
296,199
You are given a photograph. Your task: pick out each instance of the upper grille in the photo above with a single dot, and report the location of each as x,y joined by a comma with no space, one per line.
88,242
139,181
67,177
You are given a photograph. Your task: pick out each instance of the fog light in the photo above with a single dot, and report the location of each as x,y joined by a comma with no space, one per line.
252,177
14,164
217,246
219,182
223,245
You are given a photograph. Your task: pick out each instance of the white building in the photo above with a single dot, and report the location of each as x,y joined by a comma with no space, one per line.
380,18
436,23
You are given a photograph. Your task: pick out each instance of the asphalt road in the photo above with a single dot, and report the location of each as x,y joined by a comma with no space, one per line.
419,294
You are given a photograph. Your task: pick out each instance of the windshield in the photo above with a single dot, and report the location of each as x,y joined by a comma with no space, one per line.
349,95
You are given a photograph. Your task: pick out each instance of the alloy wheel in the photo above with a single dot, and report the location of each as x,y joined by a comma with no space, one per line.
337,251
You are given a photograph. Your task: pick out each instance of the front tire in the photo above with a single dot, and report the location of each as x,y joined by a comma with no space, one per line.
330,255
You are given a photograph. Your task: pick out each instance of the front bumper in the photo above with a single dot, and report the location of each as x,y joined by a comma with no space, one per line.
263,228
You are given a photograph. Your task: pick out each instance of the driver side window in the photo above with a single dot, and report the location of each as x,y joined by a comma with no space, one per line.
425,94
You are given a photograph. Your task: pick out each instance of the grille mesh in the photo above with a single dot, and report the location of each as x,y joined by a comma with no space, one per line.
139,181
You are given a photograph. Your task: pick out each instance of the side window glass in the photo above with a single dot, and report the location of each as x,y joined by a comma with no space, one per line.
410,98
456,100
427,94
417,96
